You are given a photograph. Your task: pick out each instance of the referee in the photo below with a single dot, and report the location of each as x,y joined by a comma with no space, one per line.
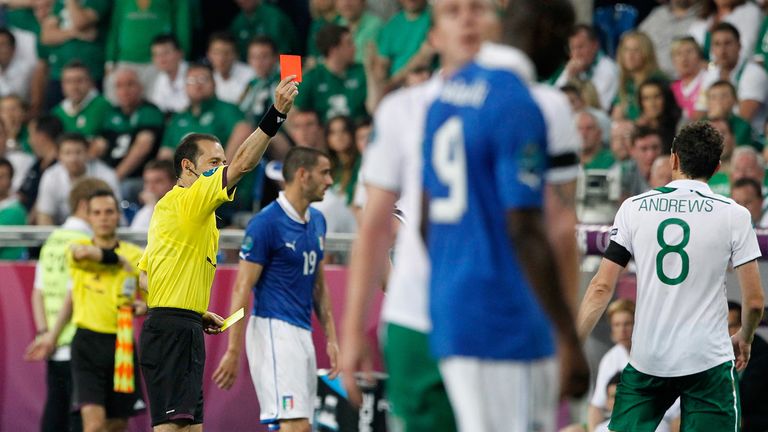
180,261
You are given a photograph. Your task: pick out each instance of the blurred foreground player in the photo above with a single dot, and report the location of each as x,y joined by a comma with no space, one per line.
484,166
680,342
392,172
281,262
180,262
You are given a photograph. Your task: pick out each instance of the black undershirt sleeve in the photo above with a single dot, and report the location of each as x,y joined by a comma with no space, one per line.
618,254
108,256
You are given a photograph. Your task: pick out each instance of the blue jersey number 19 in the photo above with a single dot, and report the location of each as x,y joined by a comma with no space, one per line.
450,164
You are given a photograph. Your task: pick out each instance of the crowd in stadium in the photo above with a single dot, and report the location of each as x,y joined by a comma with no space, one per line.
108,89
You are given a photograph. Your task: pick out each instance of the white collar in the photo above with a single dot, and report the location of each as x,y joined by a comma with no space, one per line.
76,224
497,56
290,211
69,107
694,185
11,200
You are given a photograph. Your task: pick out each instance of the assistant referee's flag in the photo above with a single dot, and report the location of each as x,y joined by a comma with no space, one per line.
124,351
123,380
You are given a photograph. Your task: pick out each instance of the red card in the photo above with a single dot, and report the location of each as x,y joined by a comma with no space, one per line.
290,65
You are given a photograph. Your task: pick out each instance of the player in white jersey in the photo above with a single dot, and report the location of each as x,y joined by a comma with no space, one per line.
683,237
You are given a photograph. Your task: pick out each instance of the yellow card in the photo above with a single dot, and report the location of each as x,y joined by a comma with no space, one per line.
235,317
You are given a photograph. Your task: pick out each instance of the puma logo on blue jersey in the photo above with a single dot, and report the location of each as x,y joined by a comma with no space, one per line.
291,245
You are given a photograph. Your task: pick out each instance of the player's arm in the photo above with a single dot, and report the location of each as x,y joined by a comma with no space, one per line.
324,312
560,213
143,281
600,291
38,311
94,254
525,229
45,344
752,306
248,274
369,253
594,417
250,151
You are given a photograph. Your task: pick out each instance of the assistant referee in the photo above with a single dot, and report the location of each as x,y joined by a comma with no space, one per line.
180,261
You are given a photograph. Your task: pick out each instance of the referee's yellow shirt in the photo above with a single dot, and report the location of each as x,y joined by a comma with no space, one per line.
180,259
97,288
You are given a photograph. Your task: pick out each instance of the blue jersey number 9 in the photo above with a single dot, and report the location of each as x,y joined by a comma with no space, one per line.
450,163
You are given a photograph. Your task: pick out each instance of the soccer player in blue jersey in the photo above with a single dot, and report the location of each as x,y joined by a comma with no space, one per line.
281,261
485,157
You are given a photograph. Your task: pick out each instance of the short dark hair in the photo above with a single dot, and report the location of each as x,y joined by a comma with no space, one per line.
166,39
98,193
4,31
189,149
163,165
689,40
586,28
329,37
264,40
732,305
362,122
223,36
699,147
726,27
727,84
6,163
200,65
301,157
749,183
72,137
76,64
49,125
82,190
644,131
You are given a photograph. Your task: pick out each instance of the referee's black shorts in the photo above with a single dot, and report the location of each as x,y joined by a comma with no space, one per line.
172,357
93,372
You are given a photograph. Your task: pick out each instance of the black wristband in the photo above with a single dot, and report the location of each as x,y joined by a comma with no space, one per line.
108,256
272,121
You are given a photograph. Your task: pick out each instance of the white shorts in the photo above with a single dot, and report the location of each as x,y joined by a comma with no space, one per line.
281,358
496,396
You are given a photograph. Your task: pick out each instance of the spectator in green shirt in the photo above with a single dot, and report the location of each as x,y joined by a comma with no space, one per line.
261,19
364,25
134,24
594,154
338,86
11,210
206,114
130,134
75,30
257,97
83,109
403,41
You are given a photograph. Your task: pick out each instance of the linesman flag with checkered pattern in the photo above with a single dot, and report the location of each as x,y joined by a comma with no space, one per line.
123,380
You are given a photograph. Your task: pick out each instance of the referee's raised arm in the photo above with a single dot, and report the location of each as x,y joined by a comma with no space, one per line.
250,151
